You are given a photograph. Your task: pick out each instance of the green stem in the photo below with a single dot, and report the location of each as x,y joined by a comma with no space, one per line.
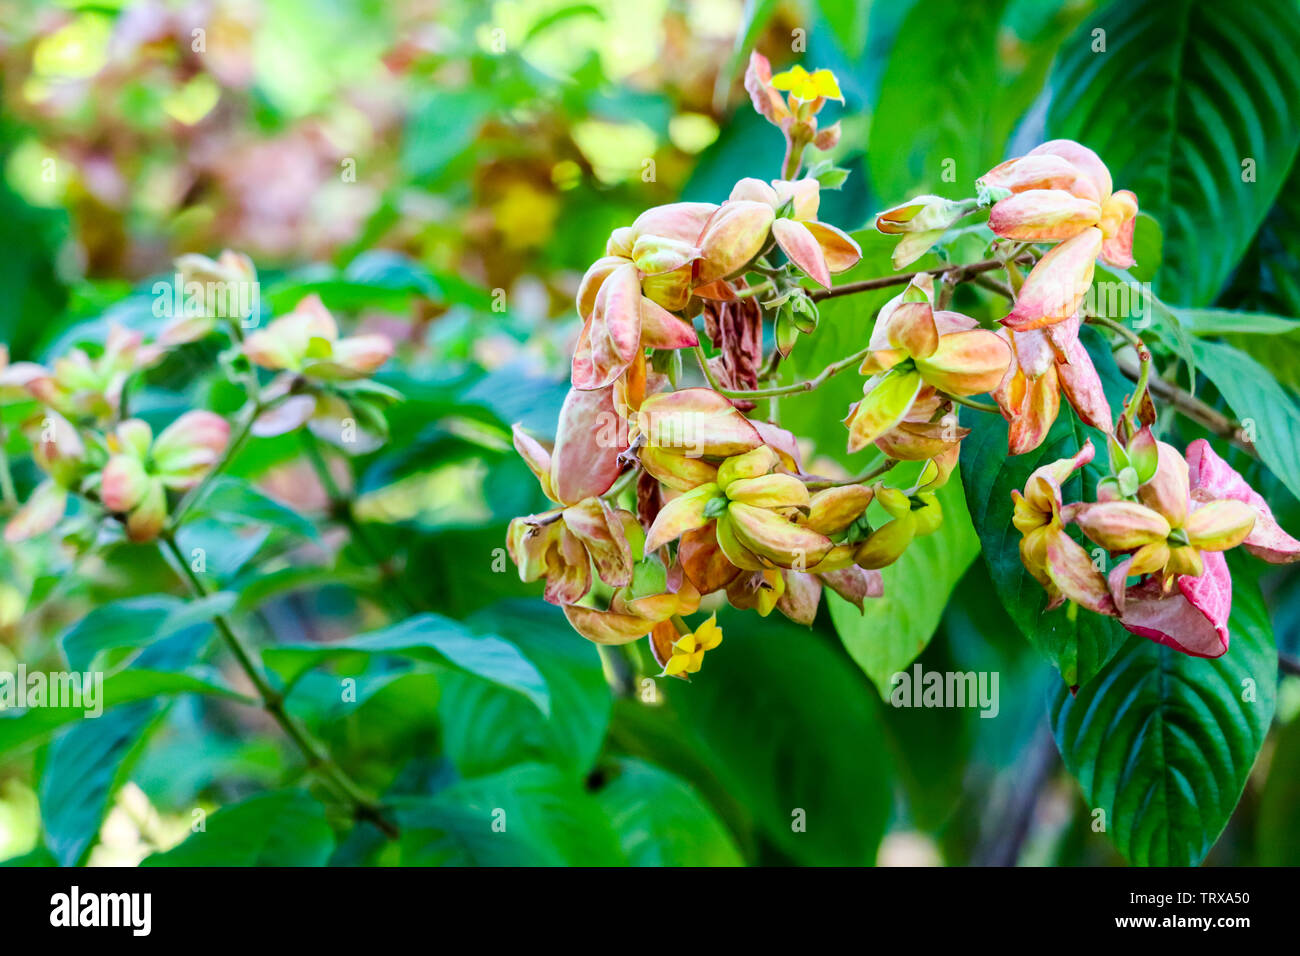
871,473
8,495
240,435
318,759
342,507
972,403
1129,418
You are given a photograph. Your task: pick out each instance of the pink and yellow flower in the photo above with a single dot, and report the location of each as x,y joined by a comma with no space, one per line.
627,297
1061,192
1057,561
817,248
913,346
1044,364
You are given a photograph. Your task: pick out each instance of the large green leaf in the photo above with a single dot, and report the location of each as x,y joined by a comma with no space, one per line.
933,129
138,622
794,733
425,637
1078,646
661,821
529,815
486,728
1163,742
893,629
1261,404
1186,101
1268,279
282,828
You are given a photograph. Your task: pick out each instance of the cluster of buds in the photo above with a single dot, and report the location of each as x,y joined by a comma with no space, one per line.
1165,521
84,443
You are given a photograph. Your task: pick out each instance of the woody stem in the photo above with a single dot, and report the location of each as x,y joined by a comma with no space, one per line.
959,274
318,759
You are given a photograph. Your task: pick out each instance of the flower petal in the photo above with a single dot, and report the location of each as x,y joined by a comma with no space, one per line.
1219,525
1122,525
1169,490
797,242
590,437
1043,215
735,234
769,491
1193,618
1056,285
775,539
966,363
681,514
882,407
1212,478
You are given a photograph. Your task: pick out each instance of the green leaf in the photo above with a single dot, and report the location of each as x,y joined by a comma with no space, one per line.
35,724
486,728
281,828
1228,321
1268,279
82,770
1182,98
1278,828
937,137
425,637
895,628
661,821
138,622
1163,742
1261,404
793,732
1079,647
443,125
235,501
529,815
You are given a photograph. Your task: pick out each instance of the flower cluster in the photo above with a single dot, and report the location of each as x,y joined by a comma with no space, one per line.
670,496
87,446
1165,519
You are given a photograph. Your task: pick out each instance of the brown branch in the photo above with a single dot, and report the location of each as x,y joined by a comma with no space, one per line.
960,274
1189,405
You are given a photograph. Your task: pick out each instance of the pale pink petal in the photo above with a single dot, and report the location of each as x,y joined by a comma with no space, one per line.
1192,617
1212,478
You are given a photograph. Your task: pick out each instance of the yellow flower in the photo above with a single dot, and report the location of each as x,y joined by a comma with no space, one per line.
802,85
688,651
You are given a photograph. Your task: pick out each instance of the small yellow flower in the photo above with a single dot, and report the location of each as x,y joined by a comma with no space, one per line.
688,651
802,85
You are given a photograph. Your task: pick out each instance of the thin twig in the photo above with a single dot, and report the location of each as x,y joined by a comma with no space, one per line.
961,273
817,484
343,508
